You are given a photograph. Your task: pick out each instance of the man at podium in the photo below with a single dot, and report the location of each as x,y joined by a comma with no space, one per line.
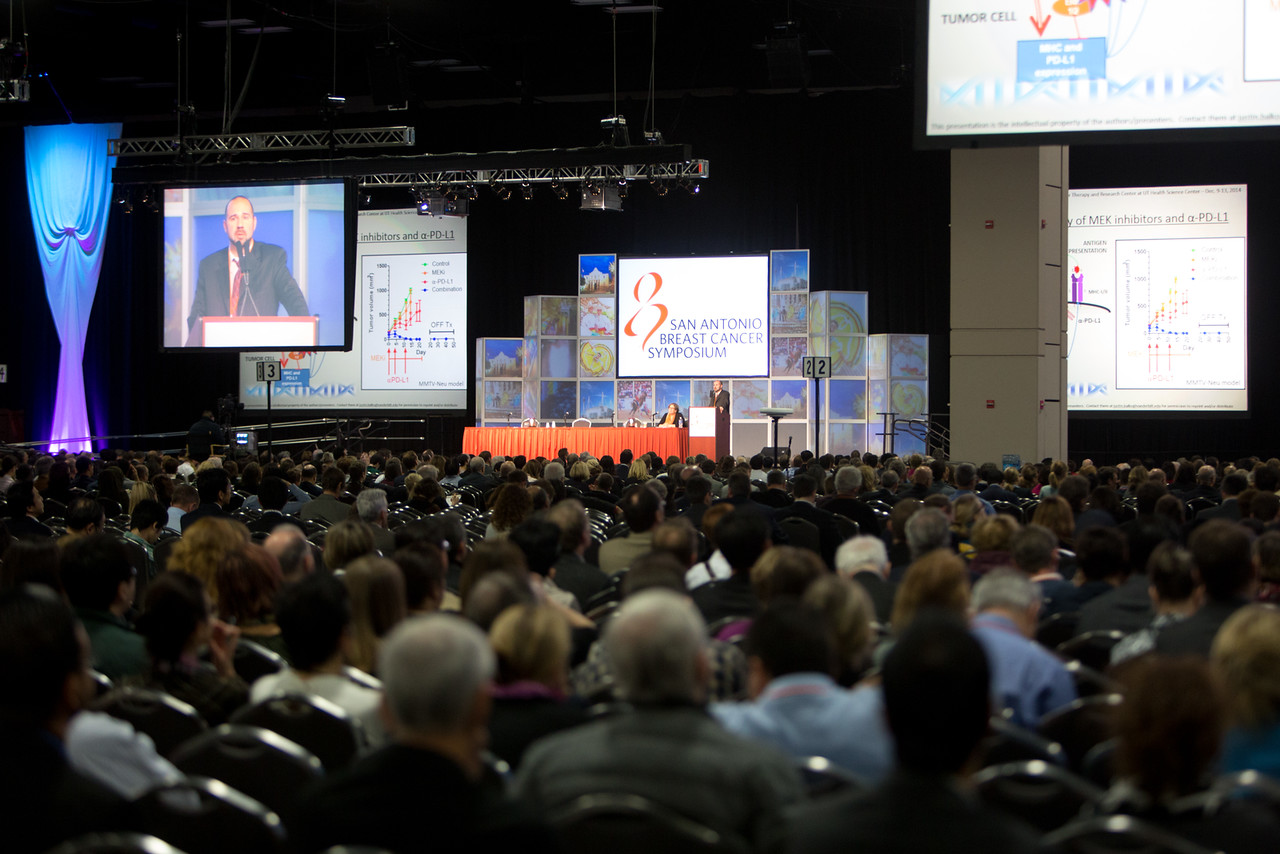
247,278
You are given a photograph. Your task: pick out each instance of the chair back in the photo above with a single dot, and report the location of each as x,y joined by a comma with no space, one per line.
1120,834
1080,725
846,528
162,549
115,843
1058,629
311,722
802,533
581,422
253,661
202,816
167,720
1007,742
621,823
1090,682
1043,794
267,767
1092,649
1008,508
821,778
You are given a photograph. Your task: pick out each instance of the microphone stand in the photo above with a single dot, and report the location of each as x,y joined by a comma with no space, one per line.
247,291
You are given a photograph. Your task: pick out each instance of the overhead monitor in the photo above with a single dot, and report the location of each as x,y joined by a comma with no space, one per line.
693,316
258,267
1157,300
1068,70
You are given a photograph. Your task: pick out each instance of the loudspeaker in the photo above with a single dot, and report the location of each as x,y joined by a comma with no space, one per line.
768,451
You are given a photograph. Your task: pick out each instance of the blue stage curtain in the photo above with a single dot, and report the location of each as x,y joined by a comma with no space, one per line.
69,189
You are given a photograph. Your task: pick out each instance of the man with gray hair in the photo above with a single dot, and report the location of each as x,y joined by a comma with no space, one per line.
667,750
865,560
927,530
1026,679
371,506
435,674
848,483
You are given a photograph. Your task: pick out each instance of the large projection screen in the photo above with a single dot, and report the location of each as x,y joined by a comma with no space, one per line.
1066,68
693,317
1157,298
410,344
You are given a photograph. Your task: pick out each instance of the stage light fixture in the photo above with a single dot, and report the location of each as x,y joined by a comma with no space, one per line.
472,192
661,188
526,190
623,187
503,192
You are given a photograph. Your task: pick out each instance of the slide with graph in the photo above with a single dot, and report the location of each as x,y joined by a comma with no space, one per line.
1157,302
414,306
409,346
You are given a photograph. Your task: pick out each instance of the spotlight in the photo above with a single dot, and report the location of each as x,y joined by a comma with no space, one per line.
125,203
558,189
366,199
526,190
661,188
503,192
623,187
424,207
472,193
149,200
690,187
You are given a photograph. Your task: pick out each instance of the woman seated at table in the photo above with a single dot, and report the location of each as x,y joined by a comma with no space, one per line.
673,418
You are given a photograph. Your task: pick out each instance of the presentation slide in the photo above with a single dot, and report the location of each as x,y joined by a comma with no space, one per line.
1156,307
998,67
255,267
693,317
409,351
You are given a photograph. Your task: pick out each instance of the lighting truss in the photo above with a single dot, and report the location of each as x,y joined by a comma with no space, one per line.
231,143
686,170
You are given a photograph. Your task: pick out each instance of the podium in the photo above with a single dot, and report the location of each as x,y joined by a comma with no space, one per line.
255,332
708,431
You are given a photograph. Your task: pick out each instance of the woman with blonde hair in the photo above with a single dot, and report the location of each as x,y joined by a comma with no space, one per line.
376,588
852,617
532,642
345,541
939,579
1055,514
1246,655
639,472
204,546
141,491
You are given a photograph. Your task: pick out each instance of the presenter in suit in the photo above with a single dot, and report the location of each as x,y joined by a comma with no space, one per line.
720,397
673,418
246,279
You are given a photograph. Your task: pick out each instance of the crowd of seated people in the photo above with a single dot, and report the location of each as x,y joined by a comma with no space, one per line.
793,654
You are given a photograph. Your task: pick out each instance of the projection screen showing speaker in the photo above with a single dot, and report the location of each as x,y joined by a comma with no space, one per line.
1156,308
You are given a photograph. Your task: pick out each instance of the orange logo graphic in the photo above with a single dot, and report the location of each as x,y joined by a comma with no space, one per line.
662,309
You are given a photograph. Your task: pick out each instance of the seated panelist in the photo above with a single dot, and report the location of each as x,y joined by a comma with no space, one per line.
673,418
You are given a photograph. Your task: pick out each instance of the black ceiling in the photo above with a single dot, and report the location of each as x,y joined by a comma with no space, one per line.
98,60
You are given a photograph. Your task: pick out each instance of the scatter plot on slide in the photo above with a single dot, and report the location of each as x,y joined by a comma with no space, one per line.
413,305
1181,313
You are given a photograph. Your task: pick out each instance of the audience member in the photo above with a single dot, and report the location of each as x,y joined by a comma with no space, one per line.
796,705
424,788
1026,679
1246,656
742,537
178,624
642,510
315,621
44,657
530,697
667,749
376,590
100,584
1174,596
935,665
1169,733
1223,560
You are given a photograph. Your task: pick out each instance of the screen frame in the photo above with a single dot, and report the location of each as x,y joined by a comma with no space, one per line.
349,213
923,141
768,261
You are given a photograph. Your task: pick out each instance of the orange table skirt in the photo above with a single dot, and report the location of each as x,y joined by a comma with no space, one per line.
597,441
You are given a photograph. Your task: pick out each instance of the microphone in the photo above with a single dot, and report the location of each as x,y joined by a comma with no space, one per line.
247,290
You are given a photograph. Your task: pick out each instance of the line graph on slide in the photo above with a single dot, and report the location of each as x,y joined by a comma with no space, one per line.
414,305
1181,313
